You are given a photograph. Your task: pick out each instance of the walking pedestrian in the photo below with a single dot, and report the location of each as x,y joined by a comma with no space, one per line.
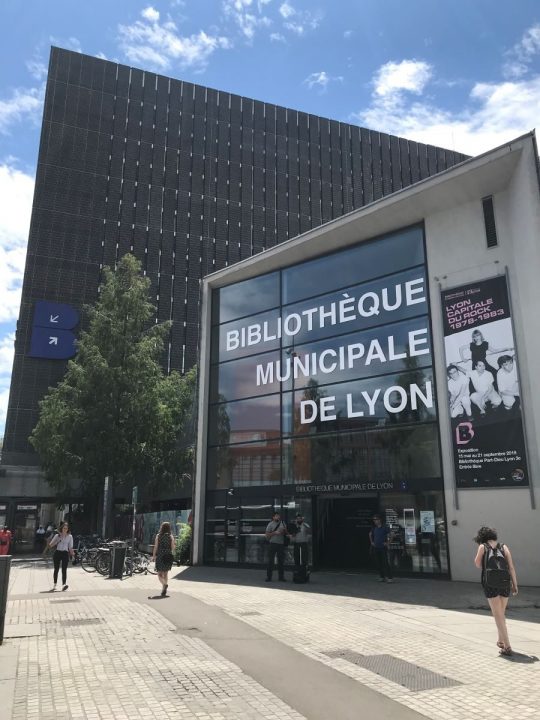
498,580
163,555
378,537
40,538
62,543
275,534
49,534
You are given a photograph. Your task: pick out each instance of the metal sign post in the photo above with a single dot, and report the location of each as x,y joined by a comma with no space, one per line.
105,507
134,497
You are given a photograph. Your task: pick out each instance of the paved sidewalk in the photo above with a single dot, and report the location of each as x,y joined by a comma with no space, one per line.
343,620
103,651
113,659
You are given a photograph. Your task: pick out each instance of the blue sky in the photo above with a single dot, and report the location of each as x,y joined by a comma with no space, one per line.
462,74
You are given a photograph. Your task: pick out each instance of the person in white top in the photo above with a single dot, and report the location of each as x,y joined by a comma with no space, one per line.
62,543
484,391
507,381
458,389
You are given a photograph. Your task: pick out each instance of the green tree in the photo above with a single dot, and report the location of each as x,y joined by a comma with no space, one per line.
116,413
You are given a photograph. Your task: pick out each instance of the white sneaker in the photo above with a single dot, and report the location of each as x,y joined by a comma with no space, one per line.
389,580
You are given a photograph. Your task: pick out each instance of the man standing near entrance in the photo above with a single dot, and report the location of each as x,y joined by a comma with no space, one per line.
300,539
378,537
275,534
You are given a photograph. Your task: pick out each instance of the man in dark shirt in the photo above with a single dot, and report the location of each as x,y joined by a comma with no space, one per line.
378,537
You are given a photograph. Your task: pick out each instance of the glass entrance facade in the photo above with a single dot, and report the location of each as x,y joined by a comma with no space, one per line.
322,400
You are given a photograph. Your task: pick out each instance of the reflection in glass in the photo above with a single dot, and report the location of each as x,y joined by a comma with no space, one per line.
394,455
387,300
386,400
245,298
426,550
233,340
238,379
246,464
346,267
253,524
348,357
214,541
244,420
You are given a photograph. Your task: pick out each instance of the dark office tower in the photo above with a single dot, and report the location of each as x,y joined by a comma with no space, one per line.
188,179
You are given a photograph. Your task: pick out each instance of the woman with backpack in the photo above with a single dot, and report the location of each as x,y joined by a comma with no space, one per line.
163,555
498,580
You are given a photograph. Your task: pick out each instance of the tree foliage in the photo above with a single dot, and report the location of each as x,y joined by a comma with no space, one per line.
115,412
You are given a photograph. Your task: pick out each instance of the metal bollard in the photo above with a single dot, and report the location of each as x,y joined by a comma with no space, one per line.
5,567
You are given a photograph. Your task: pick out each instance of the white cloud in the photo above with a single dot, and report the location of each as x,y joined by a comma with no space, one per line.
24,103
251,16
4,399
523,52
150,13
494,114
299,21
151,43
37,69
16,192
248,15
286,10
347,34
7,351
321,80
410,75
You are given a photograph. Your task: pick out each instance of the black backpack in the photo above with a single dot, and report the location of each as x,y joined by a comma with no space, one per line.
496,573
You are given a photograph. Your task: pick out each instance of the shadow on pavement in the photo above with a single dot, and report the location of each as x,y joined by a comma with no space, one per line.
520,658
442,594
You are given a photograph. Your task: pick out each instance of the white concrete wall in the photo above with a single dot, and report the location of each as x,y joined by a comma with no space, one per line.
457,254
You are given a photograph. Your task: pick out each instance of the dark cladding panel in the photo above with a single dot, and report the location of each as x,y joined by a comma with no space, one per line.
74,73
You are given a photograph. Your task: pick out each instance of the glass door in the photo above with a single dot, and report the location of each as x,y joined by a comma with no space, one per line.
24,528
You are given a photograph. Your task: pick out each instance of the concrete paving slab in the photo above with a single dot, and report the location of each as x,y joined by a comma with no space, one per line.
7,695
22,630
8,661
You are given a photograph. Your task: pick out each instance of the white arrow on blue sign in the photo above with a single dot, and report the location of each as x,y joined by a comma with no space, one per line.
57,315
59,346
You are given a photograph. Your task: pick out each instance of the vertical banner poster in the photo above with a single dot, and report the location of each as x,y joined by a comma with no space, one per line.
483,388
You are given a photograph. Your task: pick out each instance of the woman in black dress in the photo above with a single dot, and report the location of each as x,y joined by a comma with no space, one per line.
496,597
163,555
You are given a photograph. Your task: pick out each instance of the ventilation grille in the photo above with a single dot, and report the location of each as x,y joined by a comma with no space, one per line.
489,222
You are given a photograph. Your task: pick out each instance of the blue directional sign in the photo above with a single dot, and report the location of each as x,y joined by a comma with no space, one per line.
51,336
55,315
52,344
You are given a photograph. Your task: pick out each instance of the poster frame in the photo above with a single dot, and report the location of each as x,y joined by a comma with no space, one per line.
455,488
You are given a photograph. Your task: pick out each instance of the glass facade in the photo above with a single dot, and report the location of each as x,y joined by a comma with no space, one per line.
322,398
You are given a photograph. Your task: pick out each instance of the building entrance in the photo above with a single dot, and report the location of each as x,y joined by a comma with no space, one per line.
25,526
416,540
343,532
